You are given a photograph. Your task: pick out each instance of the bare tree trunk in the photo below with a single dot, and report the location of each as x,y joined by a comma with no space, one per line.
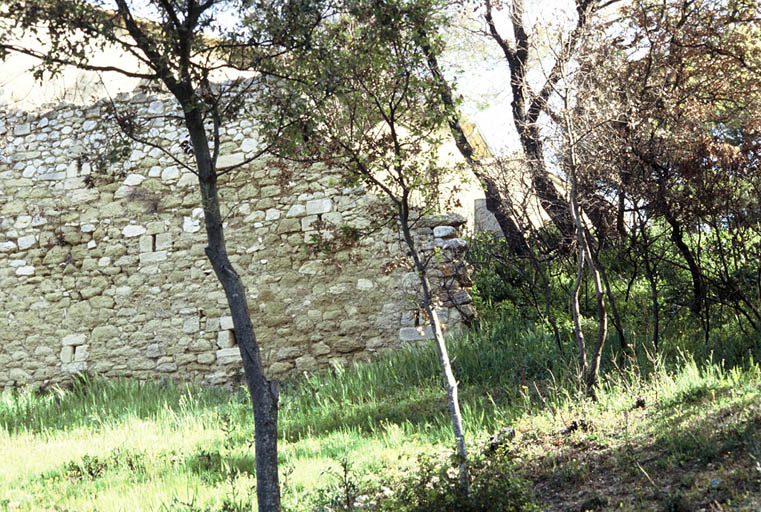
651,279
583,238
602,320
698,286
438,335
576,314
264,394
550,316
626,347
495,201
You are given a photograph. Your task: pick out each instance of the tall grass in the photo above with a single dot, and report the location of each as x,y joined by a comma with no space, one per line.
493,364
95,403
181,441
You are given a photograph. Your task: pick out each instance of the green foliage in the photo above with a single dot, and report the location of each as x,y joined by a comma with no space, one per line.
360,99
479,357
435,486
528,289
328,239
98,403
353,436
343,492
92,466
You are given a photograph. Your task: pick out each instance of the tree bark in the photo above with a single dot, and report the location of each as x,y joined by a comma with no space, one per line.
698,287
495,201
576,314
584,241
617,323
438,335
264,394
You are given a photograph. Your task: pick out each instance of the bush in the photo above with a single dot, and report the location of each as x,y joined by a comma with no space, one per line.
434,487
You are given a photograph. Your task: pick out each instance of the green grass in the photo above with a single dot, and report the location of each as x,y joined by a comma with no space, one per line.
678,435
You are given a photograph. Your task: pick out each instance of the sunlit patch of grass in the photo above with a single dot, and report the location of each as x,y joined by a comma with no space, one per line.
122,445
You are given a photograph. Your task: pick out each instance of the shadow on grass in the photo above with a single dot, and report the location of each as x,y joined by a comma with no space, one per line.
678,460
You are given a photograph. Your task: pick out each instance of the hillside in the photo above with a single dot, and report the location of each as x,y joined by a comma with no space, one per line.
376,436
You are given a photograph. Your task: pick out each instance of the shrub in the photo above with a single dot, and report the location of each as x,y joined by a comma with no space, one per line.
435,486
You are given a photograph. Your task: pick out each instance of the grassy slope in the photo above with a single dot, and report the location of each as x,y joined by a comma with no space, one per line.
683,439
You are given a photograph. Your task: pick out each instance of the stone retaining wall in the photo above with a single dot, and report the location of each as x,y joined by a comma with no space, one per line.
112,279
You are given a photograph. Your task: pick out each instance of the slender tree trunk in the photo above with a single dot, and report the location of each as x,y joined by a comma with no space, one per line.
626,346
495,201
555,206
438,335
576,314
652,279
656,306
550,316
698,287
264,394
583,238
602,320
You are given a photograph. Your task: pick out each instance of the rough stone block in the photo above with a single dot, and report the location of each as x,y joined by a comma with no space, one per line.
155,350
191,325
133,180
449,219
199,345
311,268
191,225
207,358
81,352
147,258
306,363
461,297
212,324
146,243
166,367
155,227
133,230
163,241
297,210
444,232
270,191
272,214
25,242
317,206
19,375
225,339
288,226
454,244
170,173
67,354
416,333
156,107
288,353
228,356
101,302
74,367
248,145
280,367
365,284
320,349
348,344
230,160
22,129
226,323
73,340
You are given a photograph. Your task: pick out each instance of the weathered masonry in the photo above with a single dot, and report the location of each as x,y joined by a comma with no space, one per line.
112,279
